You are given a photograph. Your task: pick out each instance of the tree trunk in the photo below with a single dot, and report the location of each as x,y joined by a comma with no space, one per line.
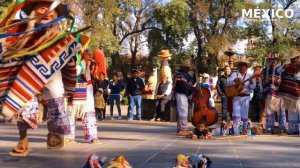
114,59
133,59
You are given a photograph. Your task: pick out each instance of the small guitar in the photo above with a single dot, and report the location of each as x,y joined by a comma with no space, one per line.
235,90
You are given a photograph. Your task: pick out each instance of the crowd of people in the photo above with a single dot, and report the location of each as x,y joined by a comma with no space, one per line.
273,90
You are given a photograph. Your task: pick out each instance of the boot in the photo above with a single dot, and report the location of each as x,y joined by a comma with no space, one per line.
103,114
154,118
55,141
22,149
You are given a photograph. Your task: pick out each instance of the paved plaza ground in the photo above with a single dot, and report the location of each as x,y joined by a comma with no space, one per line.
148,145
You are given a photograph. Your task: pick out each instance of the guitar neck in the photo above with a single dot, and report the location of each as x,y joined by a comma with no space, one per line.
249,79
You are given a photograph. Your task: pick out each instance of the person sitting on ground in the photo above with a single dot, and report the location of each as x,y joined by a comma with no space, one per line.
201,132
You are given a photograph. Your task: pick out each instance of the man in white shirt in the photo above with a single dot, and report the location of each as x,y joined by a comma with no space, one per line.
241,102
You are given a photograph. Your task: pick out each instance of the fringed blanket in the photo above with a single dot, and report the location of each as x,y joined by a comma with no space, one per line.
22,78
271,80
289,90
273,103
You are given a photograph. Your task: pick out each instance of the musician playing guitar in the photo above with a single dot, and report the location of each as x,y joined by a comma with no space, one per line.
245,83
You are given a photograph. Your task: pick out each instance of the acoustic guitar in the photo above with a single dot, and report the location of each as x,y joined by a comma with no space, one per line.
235,90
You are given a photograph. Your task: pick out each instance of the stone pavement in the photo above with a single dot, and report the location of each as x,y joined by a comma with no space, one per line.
148,145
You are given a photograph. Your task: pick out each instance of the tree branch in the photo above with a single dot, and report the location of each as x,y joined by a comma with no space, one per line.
137,31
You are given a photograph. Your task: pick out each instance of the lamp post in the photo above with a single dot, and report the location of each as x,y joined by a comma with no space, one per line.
230,53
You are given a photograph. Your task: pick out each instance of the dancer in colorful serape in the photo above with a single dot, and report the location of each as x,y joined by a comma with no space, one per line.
183,90
271,81
83,102
289,90
37,57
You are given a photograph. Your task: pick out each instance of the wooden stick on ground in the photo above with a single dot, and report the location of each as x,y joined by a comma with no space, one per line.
232,137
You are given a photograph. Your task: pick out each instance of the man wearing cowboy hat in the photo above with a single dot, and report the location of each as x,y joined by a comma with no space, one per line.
241,102
289,90
43,60
271,81
183,89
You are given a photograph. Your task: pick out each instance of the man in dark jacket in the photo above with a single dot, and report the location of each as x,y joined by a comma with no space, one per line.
221,86
134,88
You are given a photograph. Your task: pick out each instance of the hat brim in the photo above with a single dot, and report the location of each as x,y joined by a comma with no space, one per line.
165,55
135,71
243,62
257,66
273,58
61,9
292,57
187,66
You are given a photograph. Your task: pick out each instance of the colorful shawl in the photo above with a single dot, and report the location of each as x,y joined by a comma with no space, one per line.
271,82
290,90
24,77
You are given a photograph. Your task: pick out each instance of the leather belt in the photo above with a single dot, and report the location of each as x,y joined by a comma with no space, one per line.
243,95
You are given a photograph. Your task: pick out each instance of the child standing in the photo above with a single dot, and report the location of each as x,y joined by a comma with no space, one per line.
99,104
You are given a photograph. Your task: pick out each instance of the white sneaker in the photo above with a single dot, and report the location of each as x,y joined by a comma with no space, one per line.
120,118
112,117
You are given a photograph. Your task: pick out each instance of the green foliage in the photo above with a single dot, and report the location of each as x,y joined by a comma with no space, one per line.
174,21
3,8
276,35
174,24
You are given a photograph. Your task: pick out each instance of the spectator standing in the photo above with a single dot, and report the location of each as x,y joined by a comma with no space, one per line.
116,88
134,88
258,100
99,104
208,85
102,83
221,86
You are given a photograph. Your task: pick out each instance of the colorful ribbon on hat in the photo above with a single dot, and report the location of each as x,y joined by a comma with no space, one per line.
38,28
13,8
80,54
44,46
16,6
